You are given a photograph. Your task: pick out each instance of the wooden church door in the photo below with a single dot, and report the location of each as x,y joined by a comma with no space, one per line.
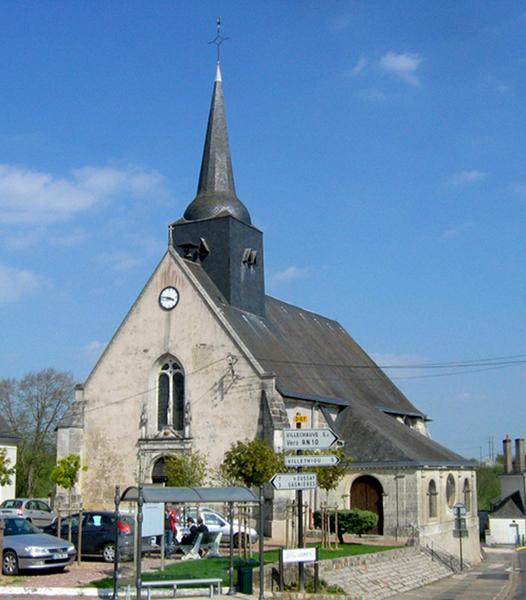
366,493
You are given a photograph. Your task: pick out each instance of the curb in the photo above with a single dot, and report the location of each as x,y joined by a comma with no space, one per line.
92,592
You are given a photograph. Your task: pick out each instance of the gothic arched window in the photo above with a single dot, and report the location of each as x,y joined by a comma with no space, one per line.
170,399
432,499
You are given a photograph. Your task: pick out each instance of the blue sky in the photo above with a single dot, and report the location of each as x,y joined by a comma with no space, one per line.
379,145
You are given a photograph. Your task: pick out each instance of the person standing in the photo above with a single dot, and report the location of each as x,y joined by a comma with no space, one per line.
170,528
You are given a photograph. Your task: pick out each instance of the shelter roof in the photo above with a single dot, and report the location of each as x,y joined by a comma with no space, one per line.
190,495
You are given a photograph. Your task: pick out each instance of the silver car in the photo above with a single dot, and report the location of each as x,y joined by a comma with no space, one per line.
215,522
26,547
36,511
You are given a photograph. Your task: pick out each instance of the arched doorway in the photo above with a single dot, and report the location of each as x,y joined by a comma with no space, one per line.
159,471
367,494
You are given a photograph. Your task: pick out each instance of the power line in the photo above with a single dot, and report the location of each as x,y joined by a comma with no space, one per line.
496,361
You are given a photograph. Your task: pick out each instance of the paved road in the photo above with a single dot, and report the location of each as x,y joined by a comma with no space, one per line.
487,581
519,589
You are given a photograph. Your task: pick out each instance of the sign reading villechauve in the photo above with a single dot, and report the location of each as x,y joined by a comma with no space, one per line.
294,555
294,481
313,439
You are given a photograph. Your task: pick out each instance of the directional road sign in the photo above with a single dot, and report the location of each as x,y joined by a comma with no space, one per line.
294,481
320,460
313,439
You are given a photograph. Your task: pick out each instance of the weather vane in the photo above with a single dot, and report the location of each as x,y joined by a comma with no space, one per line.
219,39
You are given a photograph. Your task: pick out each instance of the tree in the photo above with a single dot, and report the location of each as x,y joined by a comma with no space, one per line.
329,477
250,463
488,485
66,473
6,472
33,406
188,469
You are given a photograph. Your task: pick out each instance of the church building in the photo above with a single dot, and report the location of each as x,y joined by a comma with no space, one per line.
205,358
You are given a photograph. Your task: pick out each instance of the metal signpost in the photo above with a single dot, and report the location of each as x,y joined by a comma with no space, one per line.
460,527
304,439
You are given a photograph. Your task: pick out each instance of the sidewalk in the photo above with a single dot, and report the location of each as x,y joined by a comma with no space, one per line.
490,580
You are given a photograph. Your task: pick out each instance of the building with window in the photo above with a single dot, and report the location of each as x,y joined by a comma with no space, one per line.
205,358
8,451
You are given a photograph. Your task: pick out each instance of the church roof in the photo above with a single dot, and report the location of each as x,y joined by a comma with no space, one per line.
216,193
315,359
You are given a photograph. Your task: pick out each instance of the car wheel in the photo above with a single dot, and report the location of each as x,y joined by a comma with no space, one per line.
108,552
10,563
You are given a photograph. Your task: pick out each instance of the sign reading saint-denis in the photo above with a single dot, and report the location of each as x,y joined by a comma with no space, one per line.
294,481
320,460
301,439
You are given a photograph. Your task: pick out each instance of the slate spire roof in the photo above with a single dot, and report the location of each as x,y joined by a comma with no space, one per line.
216,192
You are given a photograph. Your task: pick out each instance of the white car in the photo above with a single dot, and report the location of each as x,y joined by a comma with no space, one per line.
216,522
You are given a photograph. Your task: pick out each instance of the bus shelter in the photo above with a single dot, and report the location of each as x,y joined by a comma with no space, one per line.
138,496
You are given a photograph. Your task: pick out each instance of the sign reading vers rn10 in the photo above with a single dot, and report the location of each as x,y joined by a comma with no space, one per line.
301,439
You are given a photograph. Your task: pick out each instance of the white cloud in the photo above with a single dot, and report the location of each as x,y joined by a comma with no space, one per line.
457,231
17,283
120,260
404,66
466,177
93,349
359,66
290,273
372,94
28,196
519,189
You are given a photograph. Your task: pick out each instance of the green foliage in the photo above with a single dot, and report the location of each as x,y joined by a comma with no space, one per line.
328,477
488,485
355,521
250,463
66,472
6,471
187,469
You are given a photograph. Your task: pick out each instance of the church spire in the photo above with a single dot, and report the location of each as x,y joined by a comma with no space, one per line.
216,193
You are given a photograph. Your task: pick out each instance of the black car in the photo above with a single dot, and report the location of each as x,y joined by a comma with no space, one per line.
98,532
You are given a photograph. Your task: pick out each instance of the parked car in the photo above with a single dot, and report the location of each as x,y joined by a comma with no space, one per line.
215,522
35,511
27,547
98,533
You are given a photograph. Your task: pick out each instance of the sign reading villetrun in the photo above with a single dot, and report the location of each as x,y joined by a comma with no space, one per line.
318,460
313,439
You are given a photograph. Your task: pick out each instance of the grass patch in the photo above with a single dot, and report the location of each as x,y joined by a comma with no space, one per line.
218,567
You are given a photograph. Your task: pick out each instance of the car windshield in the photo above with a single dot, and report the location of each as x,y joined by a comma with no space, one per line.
19,527
11,504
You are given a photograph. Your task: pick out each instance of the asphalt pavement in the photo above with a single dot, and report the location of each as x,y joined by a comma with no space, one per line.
492,579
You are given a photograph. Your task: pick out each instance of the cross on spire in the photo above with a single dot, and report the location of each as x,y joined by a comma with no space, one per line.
219,39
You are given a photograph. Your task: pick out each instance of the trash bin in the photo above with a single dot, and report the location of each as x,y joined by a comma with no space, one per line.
244,576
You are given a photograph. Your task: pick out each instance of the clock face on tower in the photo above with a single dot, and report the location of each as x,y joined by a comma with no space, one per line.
169,298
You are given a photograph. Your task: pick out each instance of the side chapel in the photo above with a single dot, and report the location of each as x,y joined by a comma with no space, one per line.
205,358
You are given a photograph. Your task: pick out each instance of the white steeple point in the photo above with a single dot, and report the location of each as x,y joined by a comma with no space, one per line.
218,72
